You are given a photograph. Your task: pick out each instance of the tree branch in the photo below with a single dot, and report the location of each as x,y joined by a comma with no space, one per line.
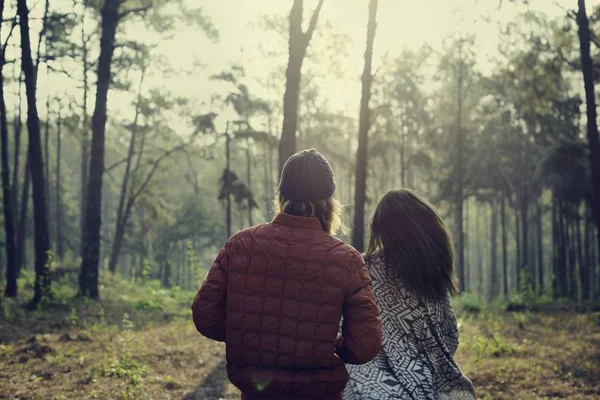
155,164
12,28
137,10
313,23
59,71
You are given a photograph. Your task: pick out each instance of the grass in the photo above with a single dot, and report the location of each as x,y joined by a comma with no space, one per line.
139,343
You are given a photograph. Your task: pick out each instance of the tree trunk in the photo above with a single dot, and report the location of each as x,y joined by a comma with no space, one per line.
572,259
517,252
504,246
555,247
58,218
540,247
360,186
271,182
591,113
36,162
298,42
18,124
7,197
459,188
583,292
46,155
524,214
478,250
88,277
21,228
228,183
588,262
494,251
266,183
562,252
249,177
85,140
124,195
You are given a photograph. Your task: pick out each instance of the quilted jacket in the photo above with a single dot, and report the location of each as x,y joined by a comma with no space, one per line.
275,295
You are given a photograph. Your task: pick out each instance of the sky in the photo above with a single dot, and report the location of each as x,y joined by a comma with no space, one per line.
401,24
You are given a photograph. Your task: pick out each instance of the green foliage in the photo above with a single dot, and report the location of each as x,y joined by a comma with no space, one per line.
125,366
491,342
469,302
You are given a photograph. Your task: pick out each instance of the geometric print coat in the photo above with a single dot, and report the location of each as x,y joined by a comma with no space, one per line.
420,338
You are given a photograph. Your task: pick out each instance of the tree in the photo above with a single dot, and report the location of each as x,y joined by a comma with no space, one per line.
587,69
88,277
358,236
7,199
298,43
36,162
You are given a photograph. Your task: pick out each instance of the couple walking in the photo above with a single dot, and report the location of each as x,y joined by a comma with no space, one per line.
305,316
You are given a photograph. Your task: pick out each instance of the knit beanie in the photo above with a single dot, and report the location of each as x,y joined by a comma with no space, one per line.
307,176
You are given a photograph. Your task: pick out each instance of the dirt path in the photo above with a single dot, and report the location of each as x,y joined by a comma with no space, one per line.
508,356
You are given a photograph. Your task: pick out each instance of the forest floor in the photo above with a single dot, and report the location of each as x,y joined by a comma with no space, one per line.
139,343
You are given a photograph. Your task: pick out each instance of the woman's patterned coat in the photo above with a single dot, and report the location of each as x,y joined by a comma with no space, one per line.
419,340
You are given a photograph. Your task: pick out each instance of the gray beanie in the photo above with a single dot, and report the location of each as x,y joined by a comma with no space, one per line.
307,176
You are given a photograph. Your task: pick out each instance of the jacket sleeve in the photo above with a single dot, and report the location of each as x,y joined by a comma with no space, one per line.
208,308
361,326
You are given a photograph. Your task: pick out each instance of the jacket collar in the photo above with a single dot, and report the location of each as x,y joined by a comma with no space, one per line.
293,221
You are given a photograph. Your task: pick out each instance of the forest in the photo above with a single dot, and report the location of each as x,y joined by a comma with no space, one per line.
136,136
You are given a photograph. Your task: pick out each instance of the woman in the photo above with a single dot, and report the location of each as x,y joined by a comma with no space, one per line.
411,263
277,291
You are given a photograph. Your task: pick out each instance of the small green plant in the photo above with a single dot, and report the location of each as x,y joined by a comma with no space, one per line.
73,317
526,287
146,269
521,317
470,302
125,366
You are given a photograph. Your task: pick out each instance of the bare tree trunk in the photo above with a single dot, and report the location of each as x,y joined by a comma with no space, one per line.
58,221
266,185
88,277
494,251
21,228
517,252
18,124
478,251
587,68
504,246
583,292
42,237
249,178
360,187
7,197
46,156
555,247
228,177
540,249
524,214
459,188
124,195
563,251
298,42
85,140
588,261
572,259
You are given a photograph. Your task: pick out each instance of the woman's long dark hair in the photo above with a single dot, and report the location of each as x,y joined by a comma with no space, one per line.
413,239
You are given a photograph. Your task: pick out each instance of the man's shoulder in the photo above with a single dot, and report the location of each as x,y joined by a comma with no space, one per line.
345,251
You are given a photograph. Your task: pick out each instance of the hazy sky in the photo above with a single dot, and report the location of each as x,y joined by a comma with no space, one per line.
401,24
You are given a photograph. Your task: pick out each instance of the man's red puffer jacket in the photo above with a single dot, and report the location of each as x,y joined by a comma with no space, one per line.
275,295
